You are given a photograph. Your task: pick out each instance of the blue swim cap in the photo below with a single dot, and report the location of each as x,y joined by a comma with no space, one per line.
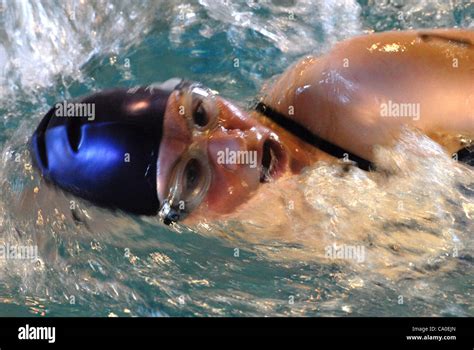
104,147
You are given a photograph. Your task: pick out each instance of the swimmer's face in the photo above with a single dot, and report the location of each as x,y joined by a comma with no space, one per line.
212,156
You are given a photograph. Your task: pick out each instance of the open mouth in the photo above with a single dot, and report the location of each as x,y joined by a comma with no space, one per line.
272,161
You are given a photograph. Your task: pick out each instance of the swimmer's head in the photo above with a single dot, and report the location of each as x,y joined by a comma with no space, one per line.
173,149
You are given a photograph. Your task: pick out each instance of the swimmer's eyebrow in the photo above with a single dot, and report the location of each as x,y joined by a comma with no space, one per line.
429,36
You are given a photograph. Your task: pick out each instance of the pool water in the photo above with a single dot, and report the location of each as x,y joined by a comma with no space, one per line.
412,219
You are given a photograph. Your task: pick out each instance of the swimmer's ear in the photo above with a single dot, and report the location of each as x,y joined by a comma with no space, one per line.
104,147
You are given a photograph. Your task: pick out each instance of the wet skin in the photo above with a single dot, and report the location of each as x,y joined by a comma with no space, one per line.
336,102
338,96
234,130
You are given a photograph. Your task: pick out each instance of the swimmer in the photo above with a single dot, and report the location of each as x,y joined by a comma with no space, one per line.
181,151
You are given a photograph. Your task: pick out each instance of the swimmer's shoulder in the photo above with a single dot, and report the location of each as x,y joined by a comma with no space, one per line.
462,38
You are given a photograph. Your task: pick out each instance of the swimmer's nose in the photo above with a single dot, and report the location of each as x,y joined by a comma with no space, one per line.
104,147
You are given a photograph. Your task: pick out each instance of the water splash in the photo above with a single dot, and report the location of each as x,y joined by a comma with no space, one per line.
381,15
288,24
412,216
44,41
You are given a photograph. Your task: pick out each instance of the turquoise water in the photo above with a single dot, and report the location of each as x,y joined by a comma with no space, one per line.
93,262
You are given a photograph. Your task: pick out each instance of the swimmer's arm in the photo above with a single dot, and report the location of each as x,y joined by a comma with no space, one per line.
340,96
